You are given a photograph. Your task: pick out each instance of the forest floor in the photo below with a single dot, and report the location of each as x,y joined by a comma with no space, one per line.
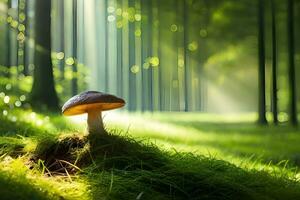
146,156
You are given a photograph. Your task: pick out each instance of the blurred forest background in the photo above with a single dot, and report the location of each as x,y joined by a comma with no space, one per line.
221,56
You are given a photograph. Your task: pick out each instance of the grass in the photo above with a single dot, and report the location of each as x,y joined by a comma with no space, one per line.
231,137
149,156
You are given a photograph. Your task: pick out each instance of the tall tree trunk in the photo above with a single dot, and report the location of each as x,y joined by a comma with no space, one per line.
132,75
177,42
43,91
62,39
159,55
120,49
19,43
261,68
107,46
144,53
185,54
26,41
21,36
150,50
274,65
8,40
291,59
75,57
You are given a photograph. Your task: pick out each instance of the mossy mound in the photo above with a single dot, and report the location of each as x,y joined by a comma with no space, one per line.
67,154
127,168
62,155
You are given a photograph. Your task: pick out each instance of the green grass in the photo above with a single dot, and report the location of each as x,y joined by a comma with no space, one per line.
149,156
235,138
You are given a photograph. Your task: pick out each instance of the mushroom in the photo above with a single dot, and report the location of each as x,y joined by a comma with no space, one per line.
92,103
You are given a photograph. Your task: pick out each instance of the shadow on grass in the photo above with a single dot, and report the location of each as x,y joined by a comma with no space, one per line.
122,168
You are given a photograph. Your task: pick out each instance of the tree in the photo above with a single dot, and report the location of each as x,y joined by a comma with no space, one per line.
185,54
261,67
132,75
274,64
8,40
43,90
106,48
291,59
75,57
146,36
62,39
120,49
159,55
20,36
26,41
150,51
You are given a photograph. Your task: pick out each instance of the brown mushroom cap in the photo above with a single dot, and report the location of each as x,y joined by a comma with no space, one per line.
91,100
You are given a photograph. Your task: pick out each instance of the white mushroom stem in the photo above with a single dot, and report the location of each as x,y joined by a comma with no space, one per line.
95,123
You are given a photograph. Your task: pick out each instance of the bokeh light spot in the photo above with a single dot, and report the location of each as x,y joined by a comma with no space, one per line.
138,33
32,115
70,61
135,69
60,55
8,86
22,97
5,112
146,65
154,61
111,9
174,28
138,17
14,118
18,103
6,99
111,18
283,117
193,46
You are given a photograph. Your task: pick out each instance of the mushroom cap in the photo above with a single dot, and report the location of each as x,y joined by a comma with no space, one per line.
91,100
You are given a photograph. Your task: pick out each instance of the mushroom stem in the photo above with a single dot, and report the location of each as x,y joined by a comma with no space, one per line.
95,123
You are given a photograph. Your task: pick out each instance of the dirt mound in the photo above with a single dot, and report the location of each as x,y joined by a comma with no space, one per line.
63,156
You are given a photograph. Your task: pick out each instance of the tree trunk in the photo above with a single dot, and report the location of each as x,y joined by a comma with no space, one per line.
144,53
8,40
261,68
43,92
132,76
62,39
159,55
185,55
26,41
75,57
274,65
107,46
177,42
291,59
119,50
19,40
150,51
